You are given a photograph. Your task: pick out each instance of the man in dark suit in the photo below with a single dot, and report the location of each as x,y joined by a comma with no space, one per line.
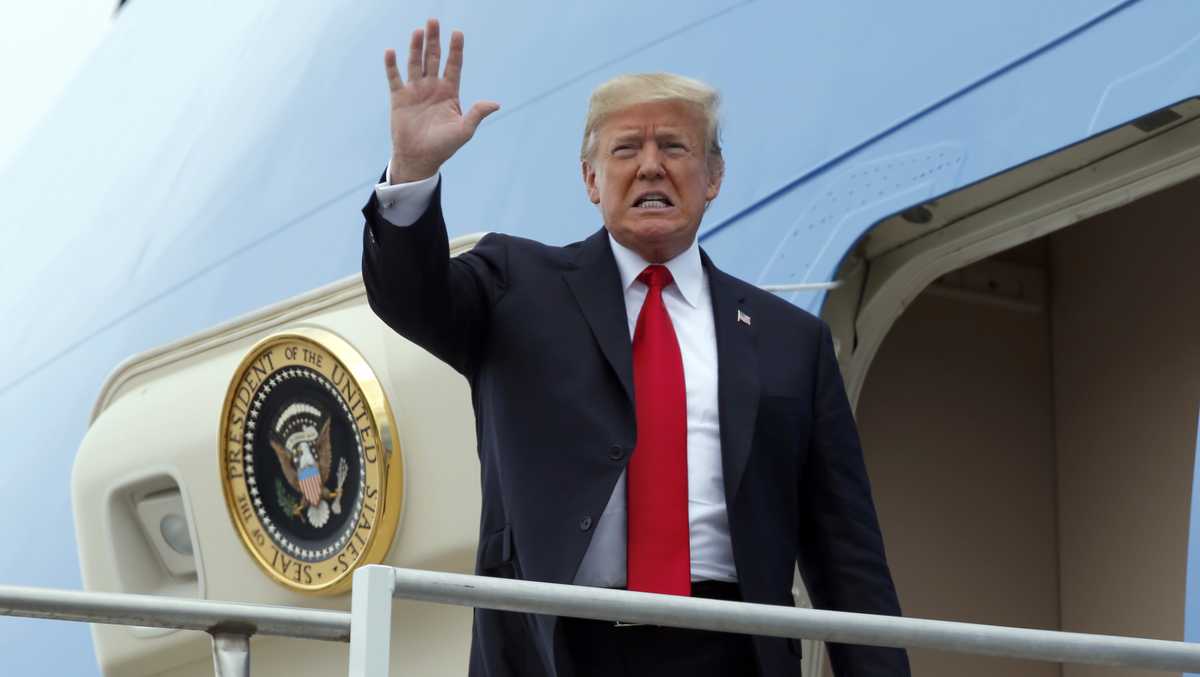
644,420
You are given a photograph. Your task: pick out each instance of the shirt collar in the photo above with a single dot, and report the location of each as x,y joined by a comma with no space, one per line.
685,269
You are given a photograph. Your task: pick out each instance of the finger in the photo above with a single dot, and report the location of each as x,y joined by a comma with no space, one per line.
433,49
393,73
455,60
478,112
414,54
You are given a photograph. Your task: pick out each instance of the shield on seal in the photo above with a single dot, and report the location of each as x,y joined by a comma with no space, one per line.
310,484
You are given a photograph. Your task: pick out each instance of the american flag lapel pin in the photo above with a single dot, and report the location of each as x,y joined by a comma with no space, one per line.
743,317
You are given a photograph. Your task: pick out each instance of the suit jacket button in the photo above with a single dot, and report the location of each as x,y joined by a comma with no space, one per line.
616,453
585,524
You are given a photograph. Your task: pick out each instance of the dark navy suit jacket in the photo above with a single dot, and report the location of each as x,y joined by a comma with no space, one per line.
541,334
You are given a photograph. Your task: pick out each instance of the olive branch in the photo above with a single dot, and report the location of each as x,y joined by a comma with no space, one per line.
284,497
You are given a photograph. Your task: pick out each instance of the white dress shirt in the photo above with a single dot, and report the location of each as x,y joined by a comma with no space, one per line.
689,304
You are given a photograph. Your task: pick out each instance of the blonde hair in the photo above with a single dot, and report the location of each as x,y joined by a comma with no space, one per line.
624,91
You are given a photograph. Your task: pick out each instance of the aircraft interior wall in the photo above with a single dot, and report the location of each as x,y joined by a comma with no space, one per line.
1127,377
1032,460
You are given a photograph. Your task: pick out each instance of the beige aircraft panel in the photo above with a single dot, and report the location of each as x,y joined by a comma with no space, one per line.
152,450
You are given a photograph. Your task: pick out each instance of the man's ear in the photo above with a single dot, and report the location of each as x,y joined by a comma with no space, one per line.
716,172
589,181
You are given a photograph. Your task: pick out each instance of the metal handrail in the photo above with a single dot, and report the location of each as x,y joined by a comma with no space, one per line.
230,624
368,626
173,612
801,286
376,586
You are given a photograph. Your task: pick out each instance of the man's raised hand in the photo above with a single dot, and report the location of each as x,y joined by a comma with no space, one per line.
428,125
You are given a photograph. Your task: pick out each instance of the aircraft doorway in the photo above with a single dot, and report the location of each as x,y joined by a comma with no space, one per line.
1029,421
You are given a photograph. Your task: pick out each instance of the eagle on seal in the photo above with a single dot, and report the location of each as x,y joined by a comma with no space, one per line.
305,454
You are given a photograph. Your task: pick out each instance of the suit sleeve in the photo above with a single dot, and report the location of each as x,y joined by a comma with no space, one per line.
842,558
443,305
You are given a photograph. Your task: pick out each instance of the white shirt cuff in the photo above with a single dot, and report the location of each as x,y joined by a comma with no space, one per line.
401,204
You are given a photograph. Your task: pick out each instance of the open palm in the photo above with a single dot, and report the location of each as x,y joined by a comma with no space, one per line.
428,124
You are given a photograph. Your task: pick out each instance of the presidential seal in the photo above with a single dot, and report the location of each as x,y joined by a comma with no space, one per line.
310,464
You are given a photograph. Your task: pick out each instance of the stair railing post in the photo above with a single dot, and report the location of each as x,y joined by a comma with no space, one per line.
371,621
231,654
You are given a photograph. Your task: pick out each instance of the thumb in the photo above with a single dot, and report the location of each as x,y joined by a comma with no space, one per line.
478,112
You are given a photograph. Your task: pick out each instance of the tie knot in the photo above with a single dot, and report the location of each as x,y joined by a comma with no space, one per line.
656,276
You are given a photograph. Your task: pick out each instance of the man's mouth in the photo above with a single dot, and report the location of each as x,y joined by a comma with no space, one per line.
652,200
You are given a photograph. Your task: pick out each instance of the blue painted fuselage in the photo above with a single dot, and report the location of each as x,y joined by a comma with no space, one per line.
212,158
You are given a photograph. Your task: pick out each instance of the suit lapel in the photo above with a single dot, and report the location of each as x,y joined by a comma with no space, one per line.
596,285
737,375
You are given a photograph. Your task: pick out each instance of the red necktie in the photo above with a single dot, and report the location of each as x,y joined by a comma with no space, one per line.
659,559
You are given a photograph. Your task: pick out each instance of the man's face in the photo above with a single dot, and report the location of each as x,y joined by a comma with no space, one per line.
649,172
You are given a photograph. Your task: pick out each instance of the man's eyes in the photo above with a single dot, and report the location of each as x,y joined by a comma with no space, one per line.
628,149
